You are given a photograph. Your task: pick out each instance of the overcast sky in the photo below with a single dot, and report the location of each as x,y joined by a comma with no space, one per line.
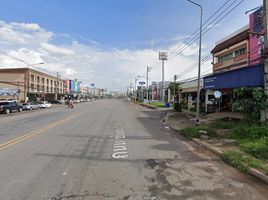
109,42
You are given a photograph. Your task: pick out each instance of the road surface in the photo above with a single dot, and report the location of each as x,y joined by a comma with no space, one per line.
110,149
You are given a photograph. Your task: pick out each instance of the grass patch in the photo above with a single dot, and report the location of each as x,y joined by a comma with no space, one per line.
257,148
243,162
223,124
158,104
193,132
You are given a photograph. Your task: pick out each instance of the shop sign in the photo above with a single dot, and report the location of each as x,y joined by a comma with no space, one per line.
217,94
251,76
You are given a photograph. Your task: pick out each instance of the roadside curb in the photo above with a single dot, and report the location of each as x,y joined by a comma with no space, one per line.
215,150
253,172
148,106
256,173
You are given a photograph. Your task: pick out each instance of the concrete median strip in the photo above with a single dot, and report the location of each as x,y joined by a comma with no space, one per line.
34,133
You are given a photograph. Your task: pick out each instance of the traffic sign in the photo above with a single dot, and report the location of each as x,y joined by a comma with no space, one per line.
217,94
142,83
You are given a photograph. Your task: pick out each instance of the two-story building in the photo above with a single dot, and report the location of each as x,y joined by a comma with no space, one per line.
237,62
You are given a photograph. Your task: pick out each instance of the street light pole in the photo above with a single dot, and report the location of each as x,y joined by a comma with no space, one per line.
148,69
199,61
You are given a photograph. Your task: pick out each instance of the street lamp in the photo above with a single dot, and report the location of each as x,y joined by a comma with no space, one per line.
199,61
136,79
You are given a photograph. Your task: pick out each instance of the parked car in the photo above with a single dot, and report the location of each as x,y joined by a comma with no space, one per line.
30,106
10,106
55,101
44,104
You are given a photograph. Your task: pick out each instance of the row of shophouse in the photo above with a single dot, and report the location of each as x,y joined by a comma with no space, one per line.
237,61
27,84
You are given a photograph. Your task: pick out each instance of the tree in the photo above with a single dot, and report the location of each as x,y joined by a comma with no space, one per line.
250,102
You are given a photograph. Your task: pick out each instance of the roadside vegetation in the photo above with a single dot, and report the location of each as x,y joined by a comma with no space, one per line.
251,140
158,104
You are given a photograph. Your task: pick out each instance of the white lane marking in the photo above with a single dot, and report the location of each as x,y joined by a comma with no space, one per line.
120,143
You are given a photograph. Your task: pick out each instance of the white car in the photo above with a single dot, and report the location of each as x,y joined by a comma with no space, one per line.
44,104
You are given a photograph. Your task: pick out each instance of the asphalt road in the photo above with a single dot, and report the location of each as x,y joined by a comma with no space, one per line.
110,149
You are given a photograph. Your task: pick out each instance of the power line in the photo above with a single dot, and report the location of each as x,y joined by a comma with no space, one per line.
209,27
197,30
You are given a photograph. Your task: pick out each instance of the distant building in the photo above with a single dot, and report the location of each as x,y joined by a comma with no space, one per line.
31,85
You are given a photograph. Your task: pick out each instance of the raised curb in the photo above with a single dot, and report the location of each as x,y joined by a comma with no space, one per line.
256,173
148,106
215,150
253,172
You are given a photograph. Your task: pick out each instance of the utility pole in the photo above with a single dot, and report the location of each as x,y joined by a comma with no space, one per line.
199,60
174,88
148,69
135,96
265,24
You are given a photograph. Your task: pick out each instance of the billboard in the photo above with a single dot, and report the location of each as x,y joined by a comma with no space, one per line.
256,40
9,92
163,55
66,86
71,85
75,85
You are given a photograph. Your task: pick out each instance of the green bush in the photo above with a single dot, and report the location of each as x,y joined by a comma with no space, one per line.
177,107
257,132
253,132
258,148
239,132
242,161
193,132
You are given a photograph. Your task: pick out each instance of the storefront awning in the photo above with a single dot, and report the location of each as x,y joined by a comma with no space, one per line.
252,76
189,90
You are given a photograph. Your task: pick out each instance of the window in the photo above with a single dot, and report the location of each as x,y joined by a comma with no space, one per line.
240,52
32,78
225,57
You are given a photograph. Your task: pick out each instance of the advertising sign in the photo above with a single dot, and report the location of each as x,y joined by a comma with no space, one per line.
71,85
256,41
9,92
163,55
217,94
66,86
75,85
79,84
142,83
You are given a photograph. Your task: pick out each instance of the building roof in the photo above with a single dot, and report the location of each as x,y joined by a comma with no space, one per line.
234,38
31,69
